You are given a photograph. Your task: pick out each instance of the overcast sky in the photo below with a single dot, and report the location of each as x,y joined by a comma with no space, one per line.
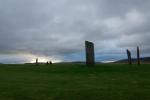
56,29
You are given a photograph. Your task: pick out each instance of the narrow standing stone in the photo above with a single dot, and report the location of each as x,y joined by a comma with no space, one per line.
47,62
36,61
90,58
138,56
129,57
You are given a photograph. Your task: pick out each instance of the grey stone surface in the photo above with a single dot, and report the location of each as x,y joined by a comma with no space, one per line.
129,57
89,48
36,61
138,56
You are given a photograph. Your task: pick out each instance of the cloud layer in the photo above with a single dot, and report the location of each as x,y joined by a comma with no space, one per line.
57,29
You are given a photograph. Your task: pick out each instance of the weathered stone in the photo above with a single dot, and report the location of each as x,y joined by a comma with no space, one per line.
47,62
50,62
36,61
129,57
138,56
90,58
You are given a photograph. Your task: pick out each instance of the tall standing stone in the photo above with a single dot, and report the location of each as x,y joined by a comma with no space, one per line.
36,61
129,57
90,58
138,56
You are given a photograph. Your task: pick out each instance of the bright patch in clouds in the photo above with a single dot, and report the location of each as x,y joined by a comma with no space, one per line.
25,58
135,17
44,59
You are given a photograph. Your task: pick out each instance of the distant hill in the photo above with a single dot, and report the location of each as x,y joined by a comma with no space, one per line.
134,60
83,62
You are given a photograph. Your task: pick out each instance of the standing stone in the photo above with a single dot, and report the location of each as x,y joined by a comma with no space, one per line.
89,47
47,62
129,57
36,61
50,62
138,56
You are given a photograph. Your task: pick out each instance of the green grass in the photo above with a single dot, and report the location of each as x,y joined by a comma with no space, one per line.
74,82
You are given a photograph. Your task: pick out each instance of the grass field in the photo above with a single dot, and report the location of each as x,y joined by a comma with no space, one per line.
74,82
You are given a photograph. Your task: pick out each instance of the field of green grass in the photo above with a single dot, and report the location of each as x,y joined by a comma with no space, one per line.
75,82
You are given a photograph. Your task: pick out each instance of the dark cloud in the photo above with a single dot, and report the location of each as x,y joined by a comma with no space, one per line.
59,28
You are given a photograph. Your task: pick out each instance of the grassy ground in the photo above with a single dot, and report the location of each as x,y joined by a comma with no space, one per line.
74,82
